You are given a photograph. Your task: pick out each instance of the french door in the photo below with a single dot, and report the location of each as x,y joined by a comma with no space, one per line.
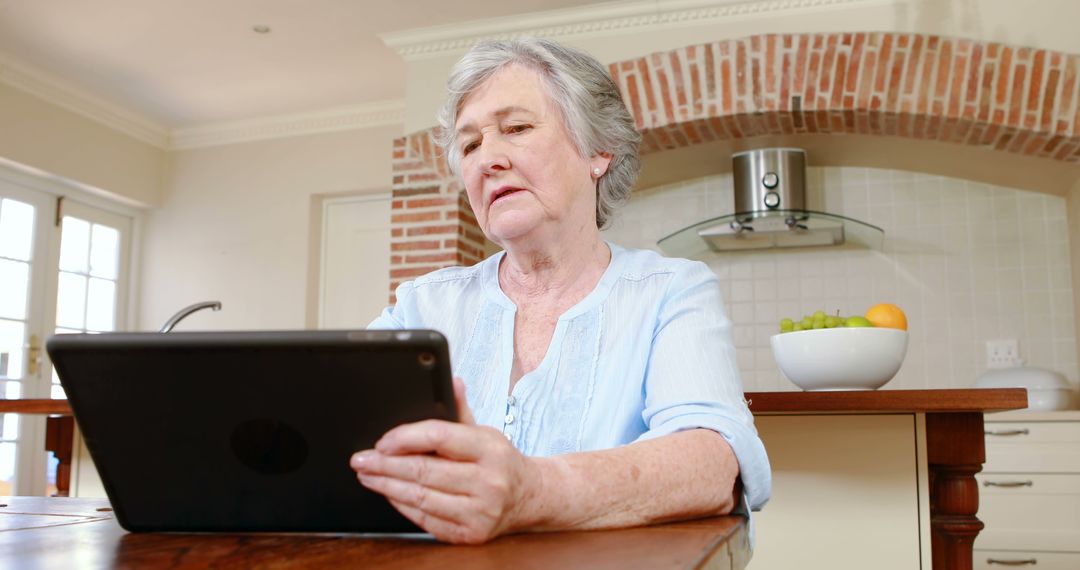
63,268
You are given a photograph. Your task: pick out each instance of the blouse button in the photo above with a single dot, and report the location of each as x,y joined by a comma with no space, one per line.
511,400
509,418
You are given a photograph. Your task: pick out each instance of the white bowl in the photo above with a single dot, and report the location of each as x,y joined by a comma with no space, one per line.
856,358
1046,390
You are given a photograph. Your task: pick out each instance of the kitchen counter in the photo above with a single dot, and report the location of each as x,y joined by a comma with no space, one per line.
889,401
894,469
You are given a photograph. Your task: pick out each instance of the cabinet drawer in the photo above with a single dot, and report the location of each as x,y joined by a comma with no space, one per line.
1029,511
1000,559
1032,447
1032,457
1032,432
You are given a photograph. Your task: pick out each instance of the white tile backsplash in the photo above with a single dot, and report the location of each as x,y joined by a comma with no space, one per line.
968,262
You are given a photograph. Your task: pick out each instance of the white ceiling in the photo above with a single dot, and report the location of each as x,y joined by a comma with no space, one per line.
180,63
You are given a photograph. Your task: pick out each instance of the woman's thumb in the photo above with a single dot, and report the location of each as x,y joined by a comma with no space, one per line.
464,413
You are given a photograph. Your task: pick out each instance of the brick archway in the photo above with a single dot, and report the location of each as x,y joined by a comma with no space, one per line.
1009,99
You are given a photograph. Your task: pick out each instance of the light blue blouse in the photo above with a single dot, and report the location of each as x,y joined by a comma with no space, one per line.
647,353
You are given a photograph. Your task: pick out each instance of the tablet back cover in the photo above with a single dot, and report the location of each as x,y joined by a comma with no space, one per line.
248,431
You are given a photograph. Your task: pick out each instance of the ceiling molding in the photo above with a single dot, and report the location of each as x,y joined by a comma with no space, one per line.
598,20
352,117
64,94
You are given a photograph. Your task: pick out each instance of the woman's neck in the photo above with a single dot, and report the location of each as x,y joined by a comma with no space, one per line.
553,269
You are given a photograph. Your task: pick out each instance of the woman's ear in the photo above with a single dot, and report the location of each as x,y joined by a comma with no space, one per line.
598,164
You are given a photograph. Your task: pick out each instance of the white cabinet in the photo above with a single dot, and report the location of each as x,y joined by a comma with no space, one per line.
849,492
1029,491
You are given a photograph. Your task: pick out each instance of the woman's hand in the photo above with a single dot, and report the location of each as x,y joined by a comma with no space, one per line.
461,482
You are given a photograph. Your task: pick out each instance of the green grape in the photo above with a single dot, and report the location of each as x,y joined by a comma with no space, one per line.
807,323
819,323
831,322
797,327
858,322
818,315
786,325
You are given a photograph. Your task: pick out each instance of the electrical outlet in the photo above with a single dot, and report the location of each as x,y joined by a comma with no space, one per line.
1002,353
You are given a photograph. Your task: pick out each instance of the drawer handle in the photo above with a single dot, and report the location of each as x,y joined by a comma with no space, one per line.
1023,431
1007,483
1012,561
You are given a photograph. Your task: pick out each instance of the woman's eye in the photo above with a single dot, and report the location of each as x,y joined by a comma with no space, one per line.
469,147
518,128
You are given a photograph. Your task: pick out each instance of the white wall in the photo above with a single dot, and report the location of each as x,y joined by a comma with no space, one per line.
234,226
968,262
46,137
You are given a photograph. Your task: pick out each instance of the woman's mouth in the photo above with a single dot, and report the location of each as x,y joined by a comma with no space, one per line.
502,192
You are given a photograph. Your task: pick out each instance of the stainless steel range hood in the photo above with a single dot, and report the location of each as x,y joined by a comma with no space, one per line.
770,212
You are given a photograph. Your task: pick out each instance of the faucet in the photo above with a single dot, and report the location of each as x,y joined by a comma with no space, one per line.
169,324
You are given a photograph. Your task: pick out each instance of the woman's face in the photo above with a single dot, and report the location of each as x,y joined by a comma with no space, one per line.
525,179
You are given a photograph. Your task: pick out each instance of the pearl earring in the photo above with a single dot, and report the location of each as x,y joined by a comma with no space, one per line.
596,171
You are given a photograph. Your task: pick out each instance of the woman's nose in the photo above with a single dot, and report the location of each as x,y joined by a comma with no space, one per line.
493,157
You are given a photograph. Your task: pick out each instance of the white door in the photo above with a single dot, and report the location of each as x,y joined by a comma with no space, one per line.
25,250
354,276
63,268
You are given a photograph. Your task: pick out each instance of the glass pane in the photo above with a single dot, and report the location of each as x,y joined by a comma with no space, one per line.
56,391
101,305
7,469
16,229
10,429
50,475
74,245
12,390
71,300
14,284
5,357
104,251
12,338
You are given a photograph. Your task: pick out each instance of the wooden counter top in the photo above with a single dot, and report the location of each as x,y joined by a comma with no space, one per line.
889,401
33,406
854,401
40,532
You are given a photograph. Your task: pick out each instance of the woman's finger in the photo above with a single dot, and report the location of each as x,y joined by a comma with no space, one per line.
444,530
464,413
447,439
430,471
446,506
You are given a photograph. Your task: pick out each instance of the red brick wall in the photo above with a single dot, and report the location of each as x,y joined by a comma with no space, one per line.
1005,98
431,223
1011,99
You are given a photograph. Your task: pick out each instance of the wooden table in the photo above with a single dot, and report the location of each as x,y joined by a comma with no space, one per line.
954,433
954,443
53,532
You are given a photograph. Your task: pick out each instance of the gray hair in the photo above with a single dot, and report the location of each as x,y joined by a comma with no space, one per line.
583,92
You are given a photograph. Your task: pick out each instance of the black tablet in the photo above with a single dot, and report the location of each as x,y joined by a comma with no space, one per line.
248,431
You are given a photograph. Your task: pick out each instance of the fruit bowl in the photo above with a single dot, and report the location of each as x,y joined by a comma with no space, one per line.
856,358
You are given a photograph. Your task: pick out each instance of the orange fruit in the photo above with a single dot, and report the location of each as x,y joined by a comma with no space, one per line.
887,315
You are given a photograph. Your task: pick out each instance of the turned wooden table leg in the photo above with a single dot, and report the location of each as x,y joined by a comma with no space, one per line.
60,439
956,451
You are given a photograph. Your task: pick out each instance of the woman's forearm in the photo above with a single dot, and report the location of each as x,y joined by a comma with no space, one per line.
683,475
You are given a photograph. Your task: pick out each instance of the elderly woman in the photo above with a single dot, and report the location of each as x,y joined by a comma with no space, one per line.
600,382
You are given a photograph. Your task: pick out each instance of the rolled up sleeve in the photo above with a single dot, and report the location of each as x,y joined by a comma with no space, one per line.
692,378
